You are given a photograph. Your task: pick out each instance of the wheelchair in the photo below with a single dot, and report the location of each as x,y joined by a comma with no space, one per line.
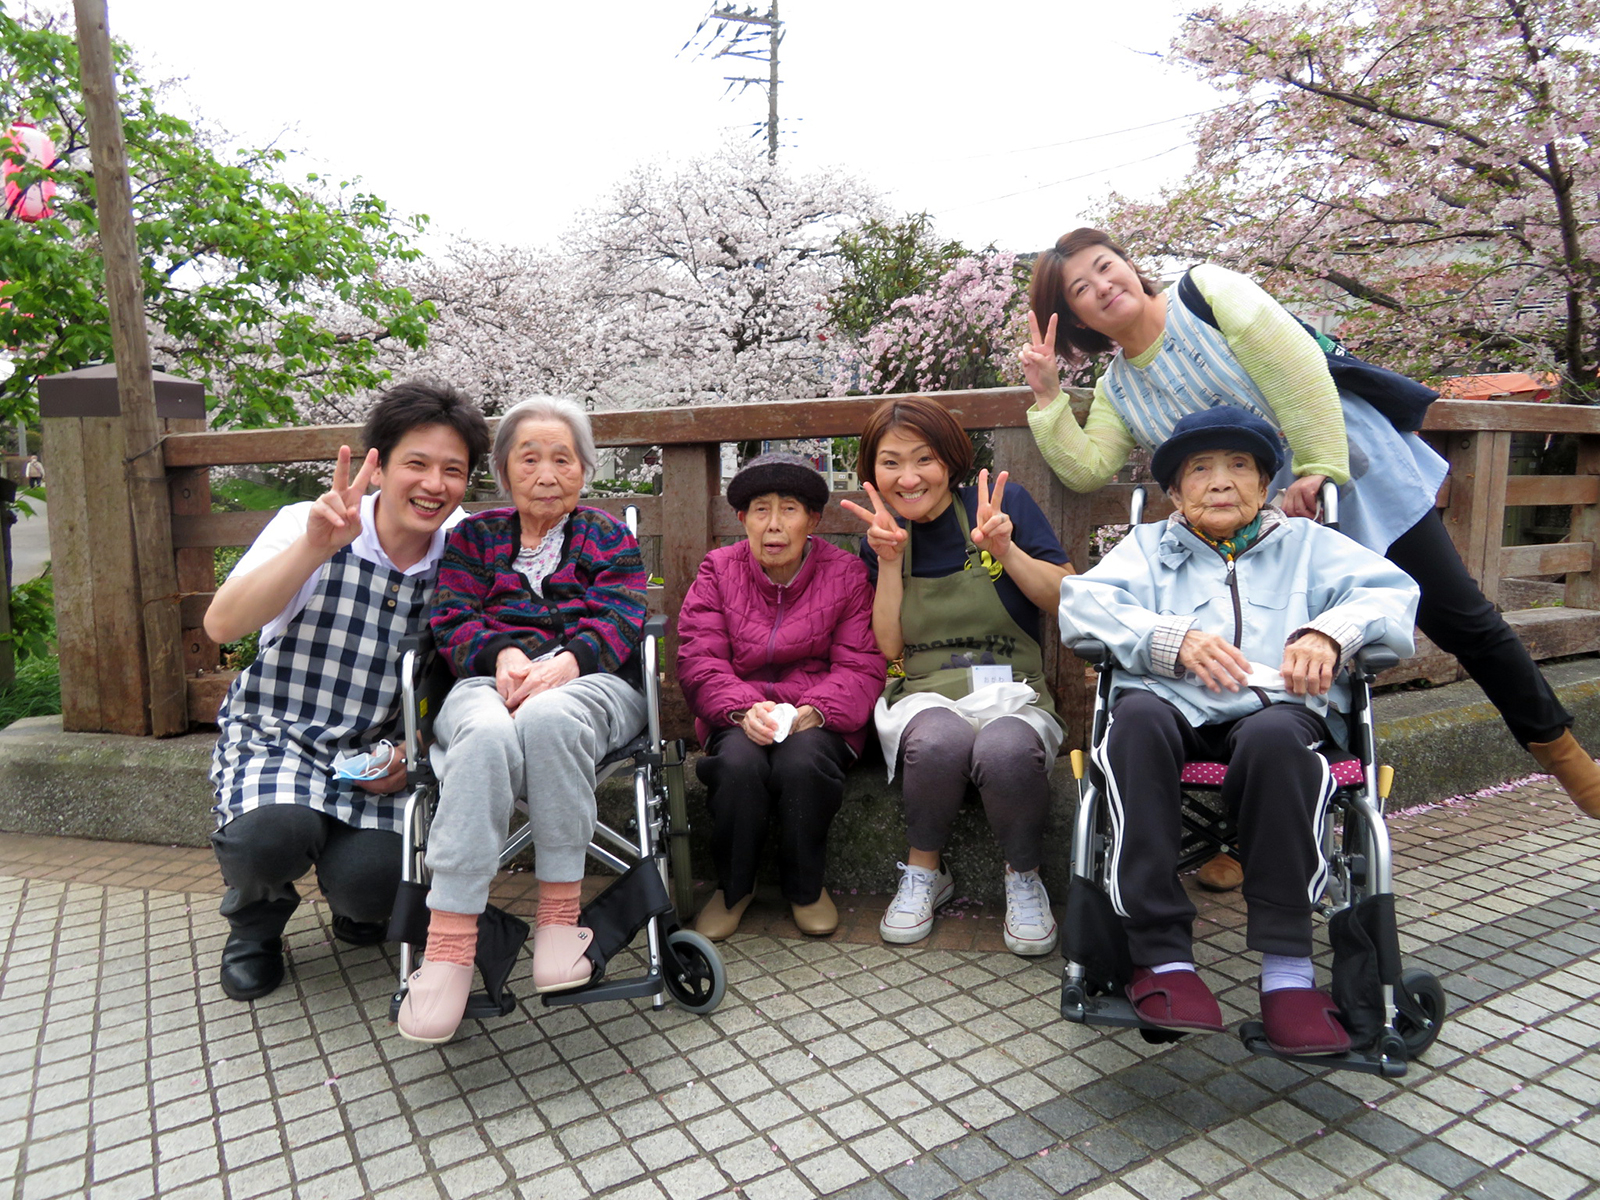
646,853
1393,1014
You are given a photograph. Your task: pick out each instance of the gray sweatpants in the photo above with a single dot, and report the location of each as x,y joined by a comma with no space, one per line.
545,752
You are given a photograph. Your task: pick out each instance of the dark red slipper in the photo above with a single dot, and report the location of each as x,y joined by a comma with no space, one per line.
1174,1000
1303,1021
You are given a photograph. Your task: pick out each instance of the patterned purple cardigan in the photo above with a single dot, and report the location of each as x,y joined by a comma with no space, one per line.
593,601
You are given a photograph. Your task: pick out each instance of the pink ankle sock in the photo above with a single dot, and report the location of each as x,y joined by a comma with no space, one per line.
452,937
558,903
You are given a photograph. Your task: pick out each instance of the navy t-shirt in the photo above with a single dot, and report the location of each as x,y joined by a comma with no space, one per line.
940,550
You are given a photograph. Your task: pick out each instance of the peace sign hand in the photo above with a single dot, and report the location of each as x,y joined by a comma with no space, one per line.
888,540
1039,365
993,529
336,516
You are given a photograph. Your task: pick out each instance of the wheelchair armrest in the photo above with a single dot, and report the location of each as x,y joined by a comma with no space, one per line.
655,626
421,641
1091,650
1373,659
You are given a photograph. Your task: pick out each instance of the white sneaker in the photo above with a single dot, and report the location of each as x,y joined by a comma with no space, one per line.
1030,926
909,917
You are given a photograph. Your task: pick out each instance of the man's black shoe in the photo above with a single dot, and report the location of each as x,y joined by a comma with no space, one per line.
251,968
360,933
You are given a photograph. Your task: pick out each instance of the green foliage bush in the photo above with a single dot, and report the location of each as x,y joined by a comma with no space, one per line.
36,691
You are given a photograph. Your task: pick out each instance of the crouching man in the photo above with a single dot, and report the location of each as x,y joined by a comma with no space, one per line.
333,585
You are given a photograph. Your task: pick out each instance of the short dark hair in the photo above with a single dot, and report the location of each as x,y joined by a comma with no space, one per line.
417,403
1047,292
928,419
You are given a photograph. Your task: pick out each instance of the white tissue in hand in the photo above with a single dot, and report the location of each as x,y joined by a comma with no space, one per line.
1268,679
783,715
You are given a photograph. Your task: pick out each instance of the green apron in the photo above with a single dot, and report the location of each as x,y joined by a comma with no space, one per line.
972,624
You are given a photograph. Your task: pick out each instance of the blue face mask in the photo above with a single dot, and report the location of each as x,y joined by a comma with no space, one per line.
371,765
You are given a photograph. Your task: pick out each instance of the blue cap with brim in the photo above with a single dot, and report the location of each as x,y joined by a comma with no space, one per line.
1221,428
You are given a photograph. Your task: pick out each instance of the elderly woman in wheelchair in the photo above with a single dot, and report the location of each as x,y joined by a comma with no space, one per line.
1229,624
539,611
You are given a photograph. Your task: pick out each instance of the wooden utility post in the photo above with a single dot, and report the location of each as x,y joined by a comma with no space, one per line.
735,48
146,474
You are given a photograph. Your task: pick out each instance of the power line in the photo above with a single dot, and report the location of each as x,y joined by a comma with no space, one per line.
1089,137
1070,179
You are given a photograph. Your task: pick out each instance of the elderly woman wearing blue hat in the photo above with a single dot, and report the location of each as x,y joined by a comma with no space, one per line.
1230,621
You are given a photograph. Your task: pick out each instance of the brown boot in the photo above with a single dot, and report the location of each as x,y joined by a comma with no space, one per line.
1220,873
1574,770
817,919
716,920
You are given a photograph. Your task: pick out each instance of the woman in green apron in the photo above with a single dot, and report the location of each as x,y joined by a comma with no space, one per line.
961,576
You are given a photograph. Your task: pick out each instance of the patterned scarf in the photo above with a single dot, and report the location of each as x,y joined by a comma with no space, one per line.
1231,548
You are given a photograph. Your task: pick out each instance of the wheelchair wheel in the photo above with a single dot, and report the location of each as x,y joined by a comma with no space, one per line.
694,974
1427,993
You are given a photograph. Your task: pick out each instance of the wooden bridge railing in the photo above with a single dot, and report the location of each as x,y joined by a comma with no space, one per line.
105,684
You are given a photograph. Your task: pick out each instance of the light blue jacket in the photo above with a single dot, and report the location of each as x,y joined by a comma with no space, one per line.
1162,580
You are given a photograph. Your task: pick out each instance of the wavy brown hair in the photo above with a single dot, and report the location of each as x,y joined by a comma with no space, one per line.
929,420
1047,291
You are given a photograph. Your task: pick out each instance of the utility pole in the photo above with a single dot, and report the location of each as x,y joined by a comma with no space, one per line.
739,33
146,478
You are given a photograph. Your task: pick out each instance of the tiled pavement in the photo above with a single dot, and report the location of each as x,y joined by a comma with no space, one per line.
833,1067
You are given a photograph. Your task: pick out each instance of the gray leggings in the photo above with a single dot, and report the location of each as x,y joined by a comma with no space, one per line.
1004,760
545,752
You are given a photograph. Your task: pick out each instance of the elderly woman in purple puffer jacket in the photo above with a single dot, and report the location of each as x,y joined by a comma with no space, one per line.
777,661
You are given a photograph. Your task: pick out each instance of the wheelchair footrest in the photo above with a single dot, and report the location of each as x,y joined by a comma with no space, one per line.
1078,1006
1391,1065
612,989
482,1007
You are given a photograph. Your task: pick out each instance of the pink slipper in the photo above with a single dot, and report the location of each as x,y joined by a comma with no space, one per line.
560,957
1303,1021
436,996
1174,1000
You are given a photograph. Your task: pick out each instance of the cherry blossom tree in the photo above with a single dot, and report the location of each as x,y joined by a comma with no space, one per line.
1425,169
961,331
709,283
703,284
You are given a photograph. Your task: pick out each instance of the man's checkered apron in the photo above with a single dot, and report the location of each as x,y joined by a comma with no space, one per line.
330,684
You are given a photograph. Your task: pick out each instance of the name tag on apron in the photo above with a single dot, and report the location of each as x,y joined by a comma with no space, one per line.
983,676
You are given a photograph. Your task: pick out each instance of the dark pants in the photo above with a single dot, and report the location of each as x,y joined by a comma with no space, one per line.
1276,789
1460,621
262,852
1004,760
798,781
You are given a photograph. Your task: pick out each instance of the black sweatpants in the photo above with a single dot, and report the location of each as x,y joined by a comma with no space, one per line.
799,782
1461,621
262,852
1276,788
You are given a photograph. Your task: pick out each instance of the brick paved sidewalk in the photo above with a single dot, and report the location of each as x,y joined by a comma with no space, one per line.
833,1067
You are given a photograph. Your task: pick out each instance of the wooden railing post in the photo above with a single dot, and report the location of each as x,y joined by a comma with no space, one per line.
1583,589
691,481
99,630
1479,461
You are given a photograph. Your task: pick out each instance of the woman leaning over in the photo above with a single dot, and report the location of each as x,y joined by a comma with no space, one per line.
961,578
540,609
777,662
1169,362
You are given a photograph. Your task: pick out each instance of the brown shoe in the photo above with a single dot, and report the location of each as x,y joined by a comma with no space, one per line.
716,920
1574,770
817,919
1220,873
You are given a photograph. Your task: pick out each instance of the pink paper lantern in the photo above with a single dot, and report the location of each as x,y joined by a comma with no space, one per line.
27,145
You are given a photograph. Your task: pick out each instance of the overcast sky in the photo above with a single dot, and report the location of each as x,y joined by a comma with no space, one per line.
502,120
